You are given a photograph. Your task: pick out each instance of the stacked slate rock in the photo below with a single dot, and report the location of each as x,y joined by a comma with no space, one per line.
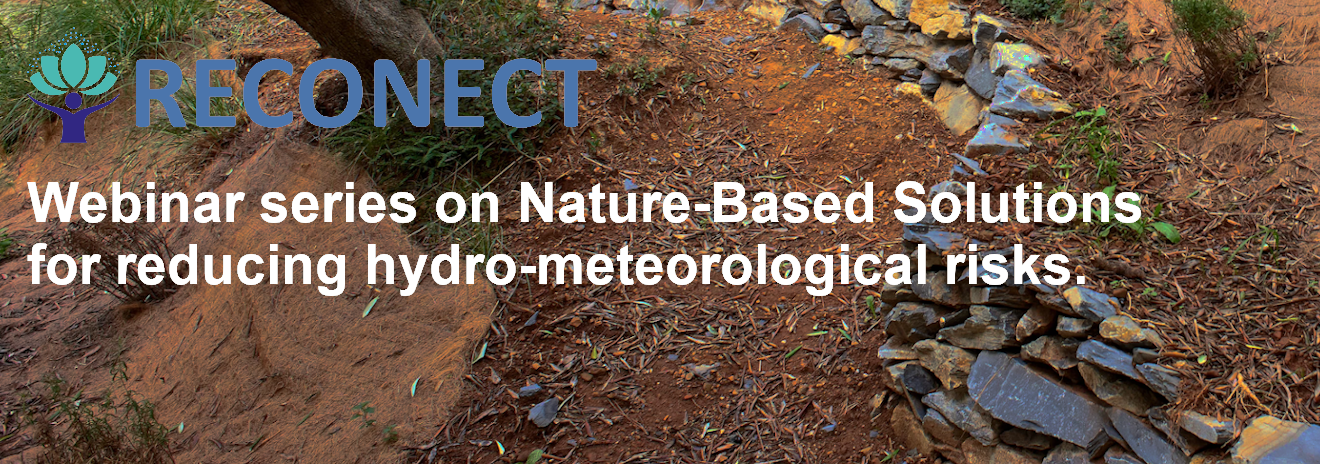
1028,373
965,65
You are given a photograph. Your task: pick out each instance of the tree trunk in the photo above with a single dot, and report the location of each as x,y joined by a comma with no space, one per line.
363,31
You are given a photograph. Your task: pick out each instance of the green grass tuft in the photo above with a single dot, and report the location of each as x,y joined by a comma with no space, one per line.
1217,31
1034,9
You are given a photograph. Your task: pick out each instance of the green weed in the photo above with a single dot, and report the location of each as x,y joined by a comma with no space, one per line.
1118,42
109,428
5,243
1143,227
1035,9
1094,134
119,29
363,411
635,77
1217,32
423,160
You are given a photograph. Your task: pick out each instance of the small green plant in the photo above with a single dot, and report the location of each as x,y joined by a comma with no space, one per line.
533,457
1093,133
1141,228
391,433
635,77
5,243
363,411
109,428
1118,42
1217,31
654,14
1035,9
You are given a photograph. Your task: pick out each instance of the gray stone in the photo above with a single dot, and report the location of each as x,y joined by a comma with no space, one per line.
941,430
995,140
827,11
885,42
937,289
864,13
1186,442
1074,327
989,328
1058,353
899,8
1144,440
1124,331
1163,380
911,75
986,30
1016,394
1010,122
1002,295
1013,57
941,18
899,25
956,406
831,28
899,65
1029,101
894,376
955,187
936,239
1208,428
1116,455
979,77
1091,304
1035,322
897,293
728,40
919,380
1270,440
893,350
543,414
1108,358
1119,392
930,82
582,4
772,10
852,34
1058,303
908,429
1144,355
910,322
959,109
805,23
952,64
1027,439
528,391
1067,453
949,363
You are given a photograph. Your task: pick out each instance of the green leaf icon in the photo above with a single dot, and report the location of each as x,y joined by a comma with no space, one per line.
73,65
72,71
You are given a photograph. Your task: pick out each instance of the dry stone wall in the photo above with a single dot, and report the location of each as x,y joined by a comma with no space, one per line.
1008,374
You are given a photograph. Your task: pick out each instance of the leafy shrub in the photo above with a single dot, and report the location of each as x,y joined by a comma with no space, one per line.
107,429
119,29
1034,9
1225,52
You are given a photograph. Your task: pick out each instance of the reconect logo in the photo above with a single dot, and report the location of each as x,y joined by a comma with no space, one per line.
66,75
74,71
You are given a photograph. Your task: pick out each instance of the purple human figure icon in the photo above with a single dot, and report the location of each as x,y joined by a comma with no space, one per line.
74,122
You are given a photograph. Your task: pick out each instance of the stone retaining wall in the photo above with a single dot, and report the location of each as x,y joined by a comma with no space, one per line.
1014,373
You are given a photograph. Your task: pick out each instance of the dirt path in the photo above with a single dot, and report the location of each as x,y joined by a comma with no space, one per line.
797,375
